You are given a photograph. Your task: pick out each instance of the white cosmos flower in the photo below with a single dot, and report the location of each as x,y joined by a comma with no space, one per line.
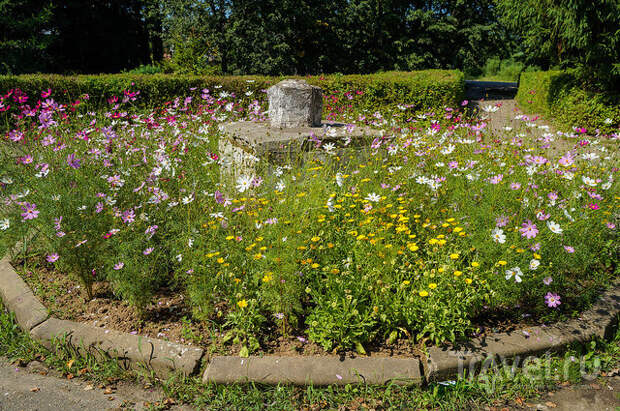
330,205
516,272
608,121
490,109
244,183
339,179
188,199
329,147
498,236
422,180
568,175
588,181
373,197
5,224
554,227
606,186
534,264
589,156
280,186
448,149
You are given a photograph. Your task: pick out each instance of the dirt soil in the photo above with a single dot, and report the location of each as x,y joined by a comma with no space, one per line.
169,318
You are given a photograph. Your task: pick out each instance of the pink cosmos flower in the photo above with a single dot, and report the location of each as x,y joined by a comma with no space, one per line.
501,221
611,226
528,230
52,258
496,179
569,249
547,280
515,186
30,211
148,251
119,265
27,159
552,300
566,160
72,161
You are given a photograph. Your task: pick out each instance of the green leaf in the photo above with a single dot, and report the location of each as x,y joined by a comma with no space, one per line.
360,348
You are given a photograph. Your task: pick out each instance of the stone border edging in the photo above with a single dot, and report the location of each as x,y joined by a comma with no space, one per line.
164,357
599,321
326,370
133,351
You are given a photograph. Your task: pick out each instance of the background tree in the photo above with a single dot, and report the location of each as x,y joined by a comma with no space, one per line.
25,36
98,35
571,33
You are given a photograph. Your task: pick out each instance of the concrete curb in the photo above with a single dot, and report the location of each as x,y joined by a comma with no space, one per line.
314,370
133,351
440,363
18,298
443,363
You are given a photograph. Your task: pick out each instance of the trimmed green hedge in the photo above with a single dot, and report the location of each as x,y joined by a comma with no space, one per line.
423,89
558,95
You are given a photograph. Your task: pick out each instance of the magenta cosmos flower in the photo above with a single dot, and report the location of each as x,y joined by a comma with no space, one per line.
528,229
30,211
552,300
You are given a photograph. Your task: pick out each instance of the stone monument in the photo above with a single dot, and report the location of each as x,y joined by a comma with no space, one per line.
294,127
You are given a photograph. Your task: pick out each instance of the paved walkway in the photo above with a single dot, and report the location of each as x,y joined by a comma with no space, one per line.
35,388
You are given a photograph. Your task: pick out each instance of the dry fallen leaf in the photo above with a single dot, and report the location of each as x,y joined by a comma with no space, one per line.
35,389
169,401
595,386
69,376
89,388
551,404
108,391
70,363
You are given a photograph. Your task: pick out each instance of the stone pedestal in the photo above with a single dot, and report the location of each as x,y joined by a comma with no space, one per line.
245,143
291,135
295,103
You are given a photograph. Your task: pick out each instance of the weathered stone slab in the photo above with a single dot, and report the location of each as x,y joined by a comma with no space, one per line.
313,370
244,143
132,351
295,103
19,299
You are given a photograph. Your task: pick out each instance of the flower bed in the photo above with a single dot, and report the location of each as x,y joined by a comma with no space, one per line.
439,225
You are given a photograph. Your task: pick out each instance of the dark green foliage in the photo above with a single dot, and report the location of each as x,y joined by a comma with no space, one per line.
98,36
23,37
559,95
431,88
311,36
575,33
